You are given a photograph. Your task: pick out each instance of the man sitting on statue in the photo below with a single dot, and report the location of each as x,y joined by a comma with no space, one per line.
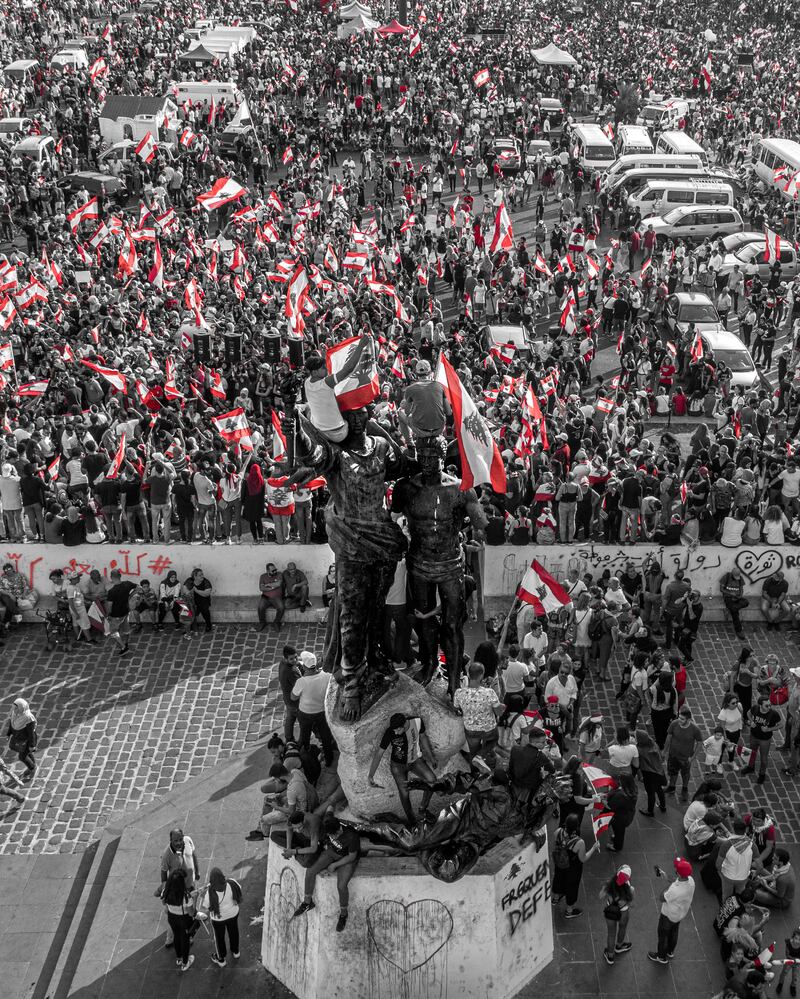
320,389
411,753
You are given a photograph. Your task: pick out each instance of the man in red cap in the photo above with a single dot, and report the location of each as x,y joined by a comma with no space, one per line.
676,902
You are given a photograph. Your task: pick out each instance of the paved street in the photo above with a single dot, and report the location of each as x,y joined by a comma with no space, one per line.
116,734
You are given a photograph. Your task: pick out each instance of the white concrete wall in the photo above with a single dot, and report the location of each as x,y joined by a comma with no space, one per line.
410,936
234,570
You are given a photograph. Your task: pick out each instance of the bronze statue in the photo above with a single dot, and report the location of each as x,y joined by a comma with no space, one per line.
436,507
368,545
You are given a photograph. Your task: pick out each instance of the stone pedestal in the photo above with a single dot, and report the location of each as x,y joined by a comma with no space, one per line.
357,742
408,935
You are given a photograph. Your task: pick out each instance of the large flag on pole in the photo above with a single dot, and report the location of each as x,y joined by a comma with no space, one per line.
224,190
119,457
234,428
362,385
503,236
481,462
541,590
772,250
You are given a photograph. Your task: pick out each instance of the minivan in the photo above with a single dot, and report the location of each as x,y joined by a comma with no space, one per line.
634,180
660,116
656,161
678,143
632,139
657,197
593,147
204,92
36,149
693,223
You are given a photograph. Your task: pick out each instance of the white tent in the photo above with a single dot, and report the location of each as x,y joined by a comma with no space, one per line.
356,25
353,9
552,55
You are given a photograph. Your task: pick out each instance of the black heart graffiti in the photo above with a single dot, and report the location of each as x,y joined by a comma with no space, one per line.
756,566
409,936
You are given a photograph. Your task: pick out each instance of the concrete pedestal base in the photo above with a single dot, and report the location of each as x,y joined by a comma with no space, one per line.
408,935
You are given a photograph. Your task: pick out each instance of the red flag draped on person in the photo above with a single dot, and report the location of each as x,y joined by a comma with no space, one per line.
481,462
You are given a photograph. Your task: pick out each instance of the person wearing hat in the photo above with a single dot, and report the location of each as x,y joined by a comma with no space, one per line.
617,896
309,692
424,409
676,902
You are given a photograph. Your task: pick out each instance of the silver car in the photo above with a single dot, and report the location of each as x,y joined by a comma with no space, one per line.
693,223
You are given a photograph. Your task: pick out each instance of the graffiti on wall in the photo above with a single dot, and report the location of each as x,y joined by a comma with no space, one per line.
407,949
526,895
287,937
130,564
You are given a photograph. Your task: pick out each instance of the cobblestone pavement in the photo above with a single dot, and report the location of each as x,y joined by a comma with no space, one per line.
117,733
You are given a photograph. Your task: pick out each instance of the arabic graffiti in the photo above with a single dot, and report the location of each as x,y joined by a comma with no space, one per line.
131,564
756,566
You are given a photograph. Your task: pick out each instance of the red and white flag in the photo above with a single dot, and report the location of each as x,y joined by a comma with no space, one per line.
187,138
601,822
398,367
222,193
278,439
772,249
296,294
53,467
645,268
331,261
170,384
414,43
156,275
765,957
362,385
83,214
599,779
604,405
234,428
541,590
288,156
706,71
215,385
503,236
608,131
6,357
355,260
119,457
146,149
128,257
98,68
115,378
696,351
481,78
481,463
33,388
7,313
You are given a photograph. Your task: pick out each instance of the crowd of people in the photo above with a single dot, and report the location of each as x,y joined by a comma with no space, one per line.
370,178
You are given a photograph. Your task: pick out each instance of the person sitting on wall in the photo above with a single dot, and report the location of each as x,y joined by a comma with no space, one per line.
295,588
775,601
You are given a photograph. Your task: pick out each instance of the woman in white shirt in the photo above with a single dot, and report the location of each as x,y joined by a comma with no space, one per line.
221,900
623,755
732,721
732,531
775,523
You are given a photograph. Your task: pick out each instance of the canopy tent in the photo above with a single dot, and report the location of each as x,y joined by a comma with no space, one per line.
198,54
353,9
552,55
392,28
355,26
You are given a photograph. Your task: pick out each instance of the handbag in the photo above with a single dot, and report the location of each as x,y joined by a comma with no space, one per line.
613,912
778,695
18,744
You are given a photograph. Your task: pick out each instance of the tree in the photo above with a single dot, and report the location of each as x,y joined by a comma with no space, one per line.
627,105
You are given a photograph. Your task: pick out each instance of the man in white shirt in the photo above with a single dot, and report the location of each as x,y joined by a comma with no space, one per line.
514,674
563,686
309,691
676,902
536,642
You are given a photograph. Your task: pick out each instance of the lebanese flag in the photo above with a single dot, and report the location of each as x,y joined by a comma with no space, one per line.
533,418
362,385
222,193
414,43
480,457
599,779
503,237
765,957
170,387
601,822
212,112
696,353
772,249
604,405
331,261
706,71
275,203
567,318
66,353
215,385
187,138
234,428
156,275
296,294
398,368
541,590
33,388
504,352
355,260
146,396
115,378
541,265
608,131
119,457
592,267
146,150
53,467
7,313
84,213
128,257
97,616
192,295
288,156
278,439
422,275
684,492
645,268
54,269
98,67
481,78
6,357
30,294
577,239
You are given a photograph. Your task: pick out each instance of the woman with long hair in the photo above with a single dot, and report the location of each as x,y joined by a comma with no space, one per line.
21,733
221,900
744,672
569,856
617,896
176,897
663,704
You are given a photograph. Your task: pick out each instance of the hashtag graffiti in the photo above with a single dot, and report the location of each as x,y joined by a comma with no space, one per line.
159,565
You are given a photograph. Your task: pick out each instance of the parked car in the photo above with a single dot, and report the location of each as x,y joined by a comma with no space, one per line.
726,346
686,307
693,223
94,183
730,244
754,253
507,154
125,150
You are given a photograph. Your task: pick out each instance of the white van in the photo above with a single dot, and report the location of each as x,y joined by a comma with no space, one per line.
654,161
22,69
593,148
658,117
678,143
627,183
777,162
202,92
657,197
632,139
36,149
74,58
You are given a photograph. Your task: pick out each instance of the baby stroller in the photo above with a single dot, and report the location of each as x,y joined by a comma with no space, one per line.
57,628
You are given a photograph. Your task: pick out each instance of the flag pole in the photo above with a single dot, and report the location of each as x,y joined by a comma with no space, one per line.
502,639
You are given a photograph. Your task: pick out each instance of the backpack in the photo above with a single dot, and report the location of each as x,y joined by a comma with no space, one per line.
562,851
505,735
595,629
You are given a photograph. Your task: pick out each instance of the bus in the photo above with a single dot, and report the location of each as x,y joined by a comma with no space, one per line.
777,161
